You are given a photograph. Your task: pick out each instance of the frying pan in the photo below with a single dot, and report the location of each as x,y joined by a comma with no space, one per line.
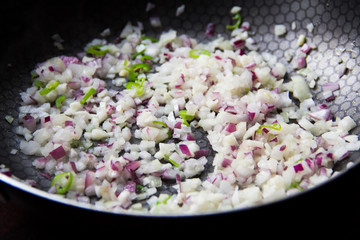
27,28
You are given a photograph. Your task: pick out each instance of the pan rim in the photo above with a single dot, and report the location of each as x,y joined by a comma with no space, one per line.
58,199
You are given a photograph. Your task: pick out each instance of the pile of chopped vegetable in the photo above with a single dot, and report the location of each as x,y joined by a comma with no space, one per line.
114,125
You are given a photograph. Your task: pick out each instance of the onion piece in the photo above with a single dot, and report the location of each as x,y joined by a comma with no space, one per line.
201,153
323,114
29,122
300,62
331,86
298,168
210,29
226,162
155,21
58,153
231,127
185,150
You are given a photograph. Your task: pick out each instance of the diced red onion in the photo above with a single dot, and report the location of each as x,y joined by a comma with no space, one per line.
210,29
305,48
318,160
116,165
241,51
310,163
300,62
69,60
239,43
69,123
251,116
85,79
331,86
298,168
130,186
178,181
97,63
323,114
231,127
185,150
245,26
186,41
201,153
29,122
46,175
328,96
250,66
282,148
132,166
73,166
90,183
190,137
58,153
322,106
253,76
226,162
178,125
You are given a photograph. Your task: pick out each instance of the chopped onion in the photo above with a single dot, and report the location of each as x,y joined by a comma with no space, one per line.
210,29
58,153
300,62
323,114
231,127
155,21
331,86
201,153
298,167
305,48
185,150
226,162
29,122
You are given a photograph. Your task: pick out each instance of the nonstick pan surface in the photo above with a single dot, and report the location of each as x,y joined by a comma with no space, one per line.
27,28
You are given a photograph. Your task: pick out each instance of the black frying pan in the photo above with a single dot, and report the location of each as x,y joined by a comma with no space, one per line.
27,28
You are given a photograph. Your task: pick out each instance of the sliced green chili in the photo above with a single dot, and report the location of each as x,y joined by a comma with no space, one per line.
62,182
138,85
87,96
146,57
170,160
39,84
238,19
97,50
150,38
139,188
274,126
141,67
33,76
164,200
165,126
195,53
59,100
160,123
49,87
186,117
137,54
135,69
296,185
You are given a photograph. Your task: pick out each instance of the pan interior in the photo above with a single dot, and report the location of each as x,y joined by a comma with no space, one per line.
336,35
